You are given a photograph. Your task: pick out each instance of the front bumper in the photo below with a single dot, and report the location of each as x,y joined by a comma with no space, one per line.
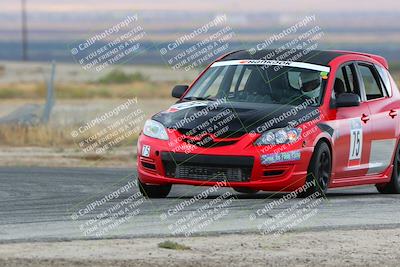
238,165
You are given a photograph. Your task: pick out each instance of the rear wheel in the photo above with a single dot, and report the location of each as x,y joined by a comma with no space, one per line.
319,171
393,187
154,191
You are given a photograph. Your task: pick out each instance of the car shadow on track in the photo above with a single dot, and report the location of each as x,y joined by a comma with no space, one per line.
333,193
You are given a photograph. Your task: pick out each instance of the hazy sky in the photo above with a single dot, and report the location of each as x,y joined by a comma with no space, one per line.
354,22
204,5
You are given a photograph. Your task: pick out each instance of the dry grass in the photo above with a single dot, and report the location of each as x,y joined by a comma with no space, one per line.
173,245
92,157
115,84
34,136
141,89
2,70
22,90
46,136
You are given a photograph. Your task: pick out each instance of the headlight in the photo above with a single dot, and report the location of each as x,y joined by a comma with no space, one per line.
155,129
279,136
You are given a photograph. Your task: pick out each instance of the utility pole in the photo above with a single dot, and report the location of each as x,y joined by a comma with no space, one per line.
24,31
50,95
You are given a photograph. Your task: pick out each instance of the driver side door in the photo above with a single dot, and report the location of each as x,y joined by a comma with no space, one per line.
353,131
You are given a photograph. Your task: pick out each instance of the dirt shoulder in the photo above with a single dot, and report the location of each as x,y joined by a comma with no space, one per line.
332,248
120,157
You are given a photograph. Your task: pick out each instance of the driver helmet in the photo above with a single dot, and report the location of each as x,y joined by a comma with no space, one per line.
310,84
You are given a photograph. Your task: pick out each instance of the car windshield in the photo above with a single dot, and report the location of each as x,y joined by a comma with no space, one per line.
269,84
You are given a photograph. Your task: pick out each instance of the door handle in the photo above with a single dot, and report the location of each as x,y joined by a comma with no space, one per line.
365,118
392,113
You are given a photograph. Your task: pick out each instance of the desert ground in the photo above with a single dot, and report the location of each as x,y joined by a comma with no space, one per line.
326,248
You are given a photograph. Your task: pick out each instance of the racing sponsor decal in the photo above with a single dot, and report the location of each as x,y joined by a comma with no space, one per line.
324,75
262,62
146,151
280,157
356,143
186,105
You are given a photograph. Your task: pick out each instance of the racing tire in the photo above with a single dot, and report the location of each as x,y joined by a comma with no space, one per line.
393,187
244,190
154,191
319,172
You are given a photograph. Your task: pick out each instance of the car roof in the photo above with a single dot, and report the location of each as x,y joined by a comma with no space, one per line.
320,57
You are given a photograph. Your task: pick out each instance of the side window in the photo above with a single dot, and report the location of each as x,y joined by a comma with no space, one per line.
371,81
214,85
339,85
384,75
239,80
242,79
346,81
294,79
351,83
236,76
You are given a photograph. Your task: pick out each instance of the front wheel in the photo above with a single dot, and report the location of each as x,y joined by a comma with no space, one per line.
319,171
154,191
393,187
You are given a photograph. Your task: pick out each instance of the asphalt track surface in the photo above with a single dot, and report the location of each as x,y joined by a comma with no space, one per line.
38,204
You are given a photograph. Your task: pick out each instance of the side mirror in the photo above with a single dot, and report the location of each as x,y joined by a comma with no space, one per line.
179,90
347,100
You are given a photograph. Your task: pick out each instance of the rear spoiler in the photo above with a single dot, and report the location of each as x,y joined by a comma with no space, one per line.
380,59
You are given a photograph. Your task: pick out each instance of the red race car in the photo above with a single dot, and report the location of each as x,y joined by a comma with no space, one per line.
277,121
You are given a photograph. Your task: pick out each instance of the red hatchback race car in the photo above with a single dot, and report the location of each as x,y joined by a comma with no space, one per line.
277,121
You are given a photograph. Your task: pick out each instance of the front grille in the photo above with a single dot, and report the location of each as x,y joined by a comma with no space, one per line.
207,167
208,143
208,173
